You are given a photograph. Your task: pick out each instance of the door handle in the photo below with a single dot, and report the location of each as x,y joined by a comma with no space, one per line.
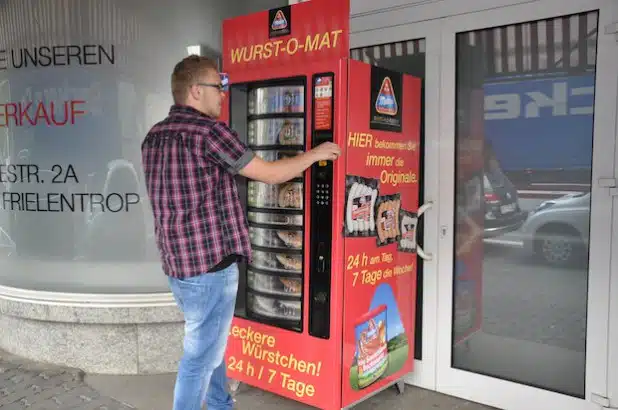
424,255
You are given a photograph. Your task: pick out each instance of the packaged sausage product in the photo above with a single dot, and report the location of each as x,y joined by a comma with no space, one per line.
283,196
278,262
272,218
276,100
275,284
276,131
274,308
276,238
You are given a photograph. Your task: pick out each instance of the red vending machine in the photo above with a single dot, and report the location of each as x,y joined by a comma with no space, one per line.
326,309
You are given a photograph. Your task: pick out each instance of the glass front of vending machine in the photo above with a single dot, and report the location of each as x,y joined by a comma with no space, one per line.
270,118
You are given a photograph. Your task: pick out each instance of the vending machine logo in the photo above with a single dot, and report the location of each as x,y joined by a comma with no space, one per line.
280,23
386,99
386,103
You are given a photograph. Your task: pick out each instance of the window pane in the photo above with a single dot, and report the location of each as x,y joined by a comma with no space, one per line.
524,135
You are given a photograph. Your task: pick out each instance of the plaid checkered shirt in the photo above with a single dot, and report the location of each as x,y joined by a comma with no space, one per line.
189,162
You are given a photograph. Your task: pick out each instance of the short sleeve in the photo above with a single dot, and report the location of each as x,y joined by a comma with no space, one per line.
224,147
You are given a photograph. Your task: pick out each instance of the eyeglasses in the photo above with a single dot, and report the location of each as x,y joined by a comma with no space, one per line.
221,87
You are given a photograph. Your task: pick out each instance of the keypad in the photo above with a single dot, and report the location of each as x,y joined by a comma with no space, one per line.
322,194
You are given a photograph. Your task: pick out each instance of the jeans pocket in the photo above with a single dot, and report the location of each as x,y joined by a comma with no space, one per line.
197,280
193,295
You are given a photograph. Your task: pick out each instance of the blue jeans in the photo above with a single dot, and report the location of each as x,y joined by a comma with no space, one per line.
208,302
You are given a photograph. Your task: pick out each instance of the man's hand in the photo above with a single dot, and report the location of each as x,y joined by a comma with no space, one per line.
326,151
285,169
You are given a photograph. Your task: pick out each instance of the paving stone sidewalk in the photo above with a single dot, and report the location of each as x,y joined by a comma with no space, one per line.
25,385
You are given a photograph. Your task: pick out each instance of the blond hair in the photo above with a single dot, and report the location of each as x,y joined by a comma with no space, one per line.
186,73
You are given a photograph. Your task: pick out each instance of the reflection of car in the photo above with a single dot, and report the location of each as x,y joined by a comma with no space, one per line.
558,230
502,211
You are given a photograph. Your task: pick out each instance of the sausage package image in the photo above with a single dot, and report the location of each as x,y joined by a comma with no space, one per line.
361,194
408,222
387,219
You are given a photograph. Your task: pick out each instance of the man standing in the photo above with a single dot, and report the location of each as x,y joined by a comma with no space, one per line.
189,161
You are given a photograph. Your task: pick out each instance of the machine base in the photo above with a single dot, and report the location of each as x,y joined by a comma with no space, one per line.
400,385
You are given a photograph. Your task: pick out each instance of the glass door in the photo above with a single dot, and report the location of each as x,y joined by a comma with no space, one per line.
612,397
526,139
272,116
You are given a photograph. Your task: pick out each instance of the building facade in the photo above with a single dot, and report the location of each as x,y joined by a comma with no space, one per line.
81,82
517,308
528,319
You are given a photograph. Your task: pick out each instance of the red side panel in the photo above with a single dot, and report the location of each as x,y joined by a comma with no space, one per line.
381,199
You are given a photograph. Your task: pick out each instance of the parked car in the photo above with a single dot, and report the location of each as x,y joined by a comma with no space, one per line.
558,230
502,211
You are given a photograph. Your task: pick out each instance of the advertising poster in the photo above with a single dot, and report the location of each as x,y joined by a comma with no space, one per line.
381,200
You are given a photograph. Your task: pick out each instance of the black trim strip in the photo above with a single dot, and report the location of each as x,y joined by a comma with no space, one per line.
276,210
267,272
275,227
277,250
284,298
274,116
276,147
